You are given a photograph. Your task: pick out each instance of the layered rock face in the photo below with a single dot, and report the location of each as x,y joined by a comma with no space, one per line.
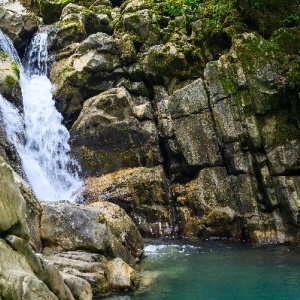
24,275
194,140
192,129
187,121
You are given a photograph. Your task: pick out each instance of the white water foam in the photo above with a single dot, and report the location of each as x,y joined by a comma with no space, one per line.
38,134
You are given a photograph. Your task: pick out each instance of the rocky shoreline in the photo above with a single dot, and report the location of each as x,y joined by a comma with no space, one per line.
86,250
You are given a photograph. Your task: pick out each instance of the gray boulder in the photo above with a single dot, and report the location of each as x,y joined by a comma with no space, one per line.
108,137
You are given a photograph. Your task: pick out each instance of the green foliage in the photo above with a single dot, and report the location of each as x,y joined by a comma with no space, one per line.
218,10
14,65
10,81
213,13
266,16
3,55
257,5
15,68
291,20
293,74
183,7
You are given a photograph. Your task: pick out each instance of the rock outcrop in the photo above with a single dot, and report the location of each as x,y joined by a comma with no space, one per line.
125,128
18,23
144,193
221,127
87,251
24,274
98,244
186,119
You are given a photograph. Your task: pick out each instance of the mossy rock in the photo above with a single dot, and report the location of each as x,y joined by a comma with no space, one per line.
83,16
278,129
51,9
9,79
293,74
266,16
166,61
288,40
253,51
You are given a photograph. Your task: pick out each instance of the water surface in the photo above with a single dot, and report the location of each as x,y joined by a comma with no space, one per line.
217,270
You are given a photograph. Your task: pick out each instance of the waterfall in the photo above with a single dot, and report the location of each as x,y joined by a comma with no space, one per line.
7,46
44,154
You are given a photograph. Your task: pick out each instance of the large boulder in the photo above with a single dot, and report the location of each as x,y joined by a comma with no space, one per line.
108,136
102,228
18,280
13,207
144,193
76,24
24,274
33,212
19,23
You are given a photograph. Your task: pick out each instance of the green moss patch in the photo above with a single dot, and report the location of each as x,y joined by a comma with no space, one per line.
277,129
10,81
16,69
51,9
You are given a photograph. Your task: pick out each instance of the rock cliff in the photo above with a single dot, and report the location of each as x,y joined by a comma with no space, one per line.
187,117
191,127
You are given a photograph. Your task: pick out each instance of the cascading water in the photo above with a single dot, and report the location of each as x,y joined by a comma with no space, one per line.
7,46
44,154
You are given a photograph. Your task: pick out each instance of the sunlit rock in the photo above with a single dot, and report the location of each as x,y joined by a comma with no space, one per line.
102,228
9,80
144,193
19,23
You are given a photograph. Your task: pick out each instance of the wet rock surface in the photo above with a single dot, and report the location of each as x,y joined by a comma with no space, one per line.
18,22
192,129
221,117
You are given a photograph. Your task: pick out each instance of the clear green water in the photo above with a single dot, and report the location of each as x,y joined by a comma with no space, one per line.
218,270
